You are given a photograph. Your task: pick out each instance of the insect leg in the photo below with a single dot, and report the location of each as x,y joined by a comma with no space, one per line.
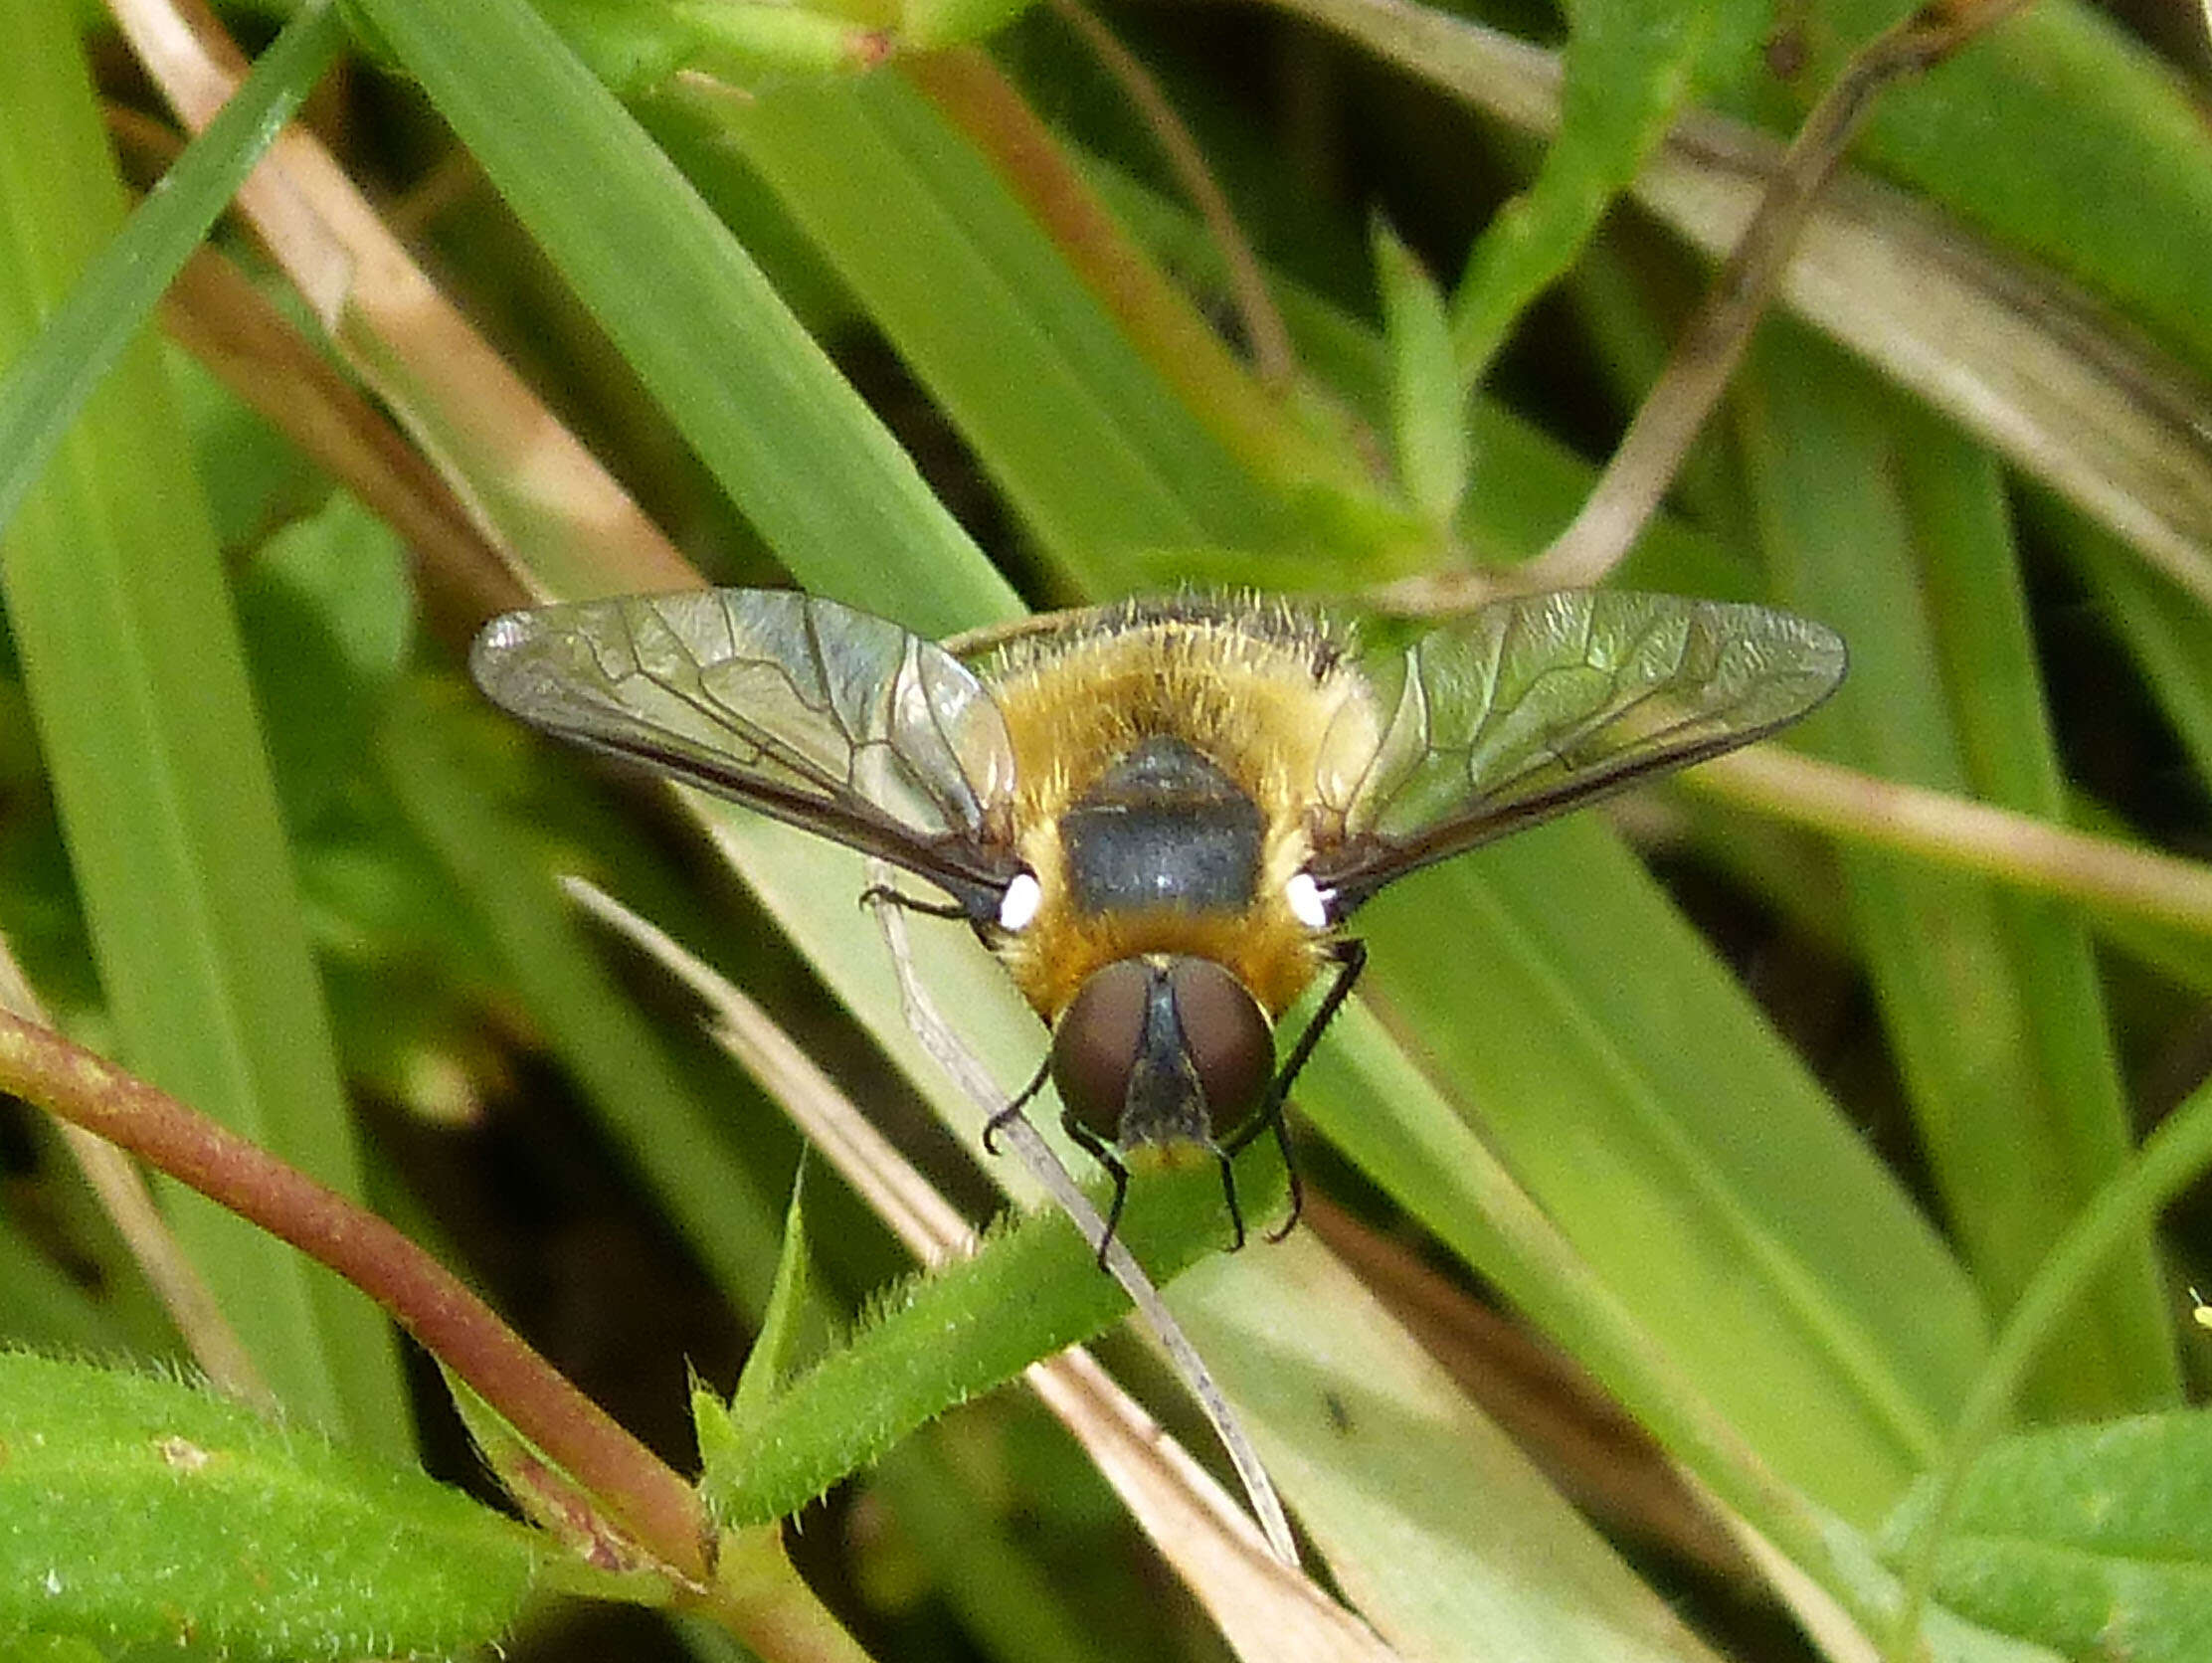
1099,1150
1035,1086
1228,1193
1351,956
885,894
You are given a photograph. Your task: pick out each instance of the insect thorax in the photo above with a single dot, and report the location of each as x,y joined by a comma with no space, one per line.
1165,766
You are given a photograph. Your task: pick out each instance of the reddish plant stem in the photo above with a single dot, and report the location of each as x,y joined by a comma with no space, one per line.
641,1494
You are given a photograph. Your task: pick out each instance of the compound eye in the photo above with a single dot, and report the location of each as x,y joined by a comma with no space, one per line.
1225,1035
1095,1045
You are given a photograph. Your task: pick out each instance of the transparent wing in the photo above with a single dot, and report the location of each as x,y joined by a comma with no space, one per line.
1531,706
830,718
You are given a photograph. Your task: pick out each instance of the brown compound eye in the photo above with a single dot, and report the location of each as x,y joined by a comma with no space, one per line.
1225,1035
1095,1045
1162,1051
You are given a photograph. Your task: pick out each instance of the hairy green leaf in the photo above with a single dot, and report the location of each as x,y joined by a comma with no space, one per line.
136,1511
2095,1539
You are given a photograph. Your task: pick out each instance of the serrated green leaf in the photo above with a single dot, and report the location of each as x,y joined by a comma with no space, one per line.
135,1511
1629,65
1428,415
2093,1539
1030,1290
777,1347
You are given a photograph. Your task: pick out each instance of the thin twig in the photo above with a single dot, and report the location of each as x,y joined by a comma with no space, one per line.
1628,492
1994,842
1264,332
640,1494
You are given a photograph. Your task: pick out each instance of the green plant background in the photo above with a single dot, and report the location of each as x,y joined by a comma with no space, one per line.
1799,1123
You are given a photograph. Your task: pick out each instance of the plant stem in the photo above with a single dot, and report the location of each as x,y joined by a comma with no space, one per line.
1936,826
644,1496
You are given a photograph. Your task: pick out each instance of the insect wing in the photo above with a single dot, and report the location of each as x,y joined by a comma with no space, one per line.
836,720
1531,706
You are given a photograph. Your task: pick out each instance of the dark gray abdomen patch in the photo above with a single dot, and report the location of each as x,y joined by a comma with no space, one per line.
1164,827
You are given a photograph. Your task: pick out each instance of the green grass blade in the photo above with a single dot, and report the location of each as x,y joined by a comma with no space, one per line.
80,340
115,595
1987,658
1988,998
1089,443
788,440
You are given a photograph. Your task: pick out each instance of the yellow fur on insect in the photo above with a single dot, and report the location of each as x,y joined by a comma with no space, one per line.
1255,691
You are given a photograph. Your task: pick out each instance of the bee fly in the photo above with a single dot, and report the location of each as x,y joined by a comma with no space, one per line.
1160,815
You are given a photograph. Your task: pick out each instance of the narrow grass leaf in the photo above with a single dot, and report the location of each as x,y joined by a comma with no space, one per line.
1428,424
117,601
80,341
1986,654
793,444
1828,456
777,1347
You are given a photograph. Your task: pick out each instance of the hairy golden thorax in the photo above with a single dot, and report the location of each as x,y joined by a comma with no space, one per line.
1257,694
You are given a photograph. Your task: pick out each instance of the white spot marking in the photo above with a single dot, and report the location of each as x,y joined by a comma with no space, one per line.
182,1454
1017,907
504,632
1309,902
